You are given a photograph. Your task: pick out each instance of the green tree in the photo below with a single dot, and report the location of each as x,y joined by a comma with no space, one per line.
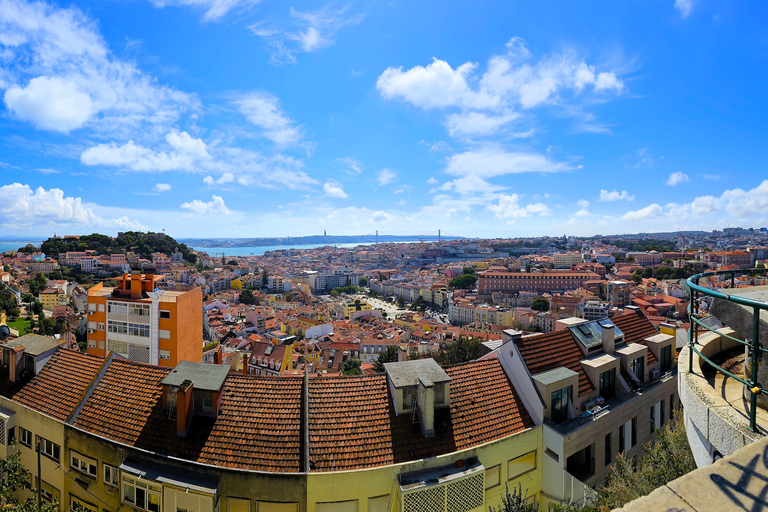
191,258
401,303
461,351
464,282
515,502
362,281
37,308
540,304
38,284
351,367
56,274
232,262
528,267
469,271
246,297
386,356
6,268
264,277
334,293
8,303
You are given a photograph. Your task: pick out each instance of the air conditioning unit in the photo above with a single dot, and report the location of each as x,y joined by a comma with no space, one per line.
91,312
90,331
654,374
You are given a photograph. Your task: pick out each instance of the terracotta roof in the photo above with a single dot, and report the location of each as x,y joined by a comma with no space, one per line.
553,350
352,422
636,327
57,390
258,426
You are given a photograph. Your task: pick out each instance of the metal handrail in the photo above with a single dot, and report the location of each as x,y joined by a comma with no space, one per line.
692,284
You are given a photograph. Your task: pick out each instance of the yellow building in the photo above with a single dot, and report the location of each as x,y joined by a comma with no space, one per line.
52,297
345,308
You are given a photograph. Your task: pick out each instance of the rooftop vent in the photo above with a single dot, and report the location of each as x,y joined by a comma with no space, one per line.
419,388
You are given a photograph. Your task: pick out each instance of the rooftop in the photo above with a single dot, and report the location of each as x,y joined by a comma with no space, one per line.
33,344
407,373
207,377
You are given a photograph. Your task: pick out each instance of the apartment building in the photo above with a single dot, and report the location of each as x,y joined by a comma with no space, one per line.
462,312
145,324
509,282
327,281
51,297
647,259
741,259
565,260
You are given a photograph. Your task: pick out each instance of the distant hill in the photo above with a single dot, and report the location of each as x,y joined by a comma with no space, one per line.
309,240
144,244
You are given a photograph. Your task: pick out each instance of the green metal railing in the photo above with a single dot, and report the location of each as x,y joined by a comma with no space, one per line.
692,284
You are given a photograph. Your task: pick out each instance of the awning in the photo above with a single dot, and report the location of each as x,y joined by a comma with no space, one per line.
169,475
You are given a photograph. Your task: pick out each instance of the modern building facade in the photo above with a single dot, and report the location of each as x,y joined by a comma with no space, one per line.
145,324
498,281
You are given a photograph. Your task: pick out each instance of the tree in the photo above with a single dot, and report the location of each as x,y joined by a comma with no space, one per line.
38,284
515,502
386,356
264,277
56,274
37,308
528,267
246,297
8,303
468,271
464,282
401,303
461,351
540,304
6,268
351,367
191,258
334,293
362,281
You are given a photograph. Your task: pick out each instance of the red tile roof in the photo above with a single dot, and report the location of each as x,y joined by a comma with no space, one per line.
60,386
636,327
352,422
553,350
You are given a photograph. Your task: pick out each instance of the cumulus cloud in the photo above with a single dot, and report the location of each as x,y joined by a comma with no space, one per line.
186,152
162,187
509,207
22,208
263,110
59,75
615,195
382,217
306,31
214,207
333,189
494,161
676,178
685,7
386,176
649,212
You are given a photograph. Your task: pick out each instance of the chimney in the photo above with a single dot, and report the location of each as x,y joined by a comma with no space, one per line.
246,357
426,404
608,335
184,408
217,355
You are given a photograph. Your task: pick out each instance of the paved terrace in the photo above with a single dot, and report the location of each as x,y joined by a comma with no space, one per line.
736,482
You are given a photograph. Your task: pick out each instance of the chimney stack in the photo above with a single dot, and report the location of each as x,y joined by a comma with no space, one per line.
426,404
184,408
246,357
608,335
217,355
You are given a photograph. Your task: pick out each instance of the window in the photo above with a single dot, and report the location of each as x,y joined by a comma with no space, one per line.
634,431
661,415
101,344
493,476
207,402
117,327
638,367
118,308
652,423
101,308
82,464
518,466
559,404
141,494
110,475
666,358
608,453
671,404
622,439
440,393
138,330
25,437
75,502
607,384
101,326
164,334
50,449
238,505
165,314
164,354
121,347
138,309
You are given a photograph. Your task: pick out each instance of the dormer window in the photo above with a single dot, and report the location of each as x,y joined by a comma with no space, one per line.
608,384
666,358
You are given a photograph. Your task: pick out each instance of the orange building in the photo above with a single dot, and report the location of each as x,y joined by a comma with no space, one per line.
144,324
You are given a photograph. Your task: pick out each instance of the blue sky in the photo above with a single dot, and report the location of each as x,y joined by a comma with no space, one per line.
242,118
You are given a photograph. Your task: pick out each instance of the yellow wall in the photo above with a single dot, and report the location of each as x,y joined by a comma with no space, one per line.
364,484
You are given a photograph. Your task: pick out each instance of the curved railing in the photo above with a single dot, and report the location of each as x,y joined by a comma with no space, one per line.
692,284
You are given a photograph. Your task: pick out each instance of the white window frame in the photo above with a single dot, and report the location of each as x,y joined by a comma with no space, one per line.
147,487
115,476
84,465
24,433
49,448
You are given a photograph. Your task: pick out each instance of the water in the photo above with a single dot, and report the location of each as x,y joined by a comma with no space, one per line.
260,250
14,246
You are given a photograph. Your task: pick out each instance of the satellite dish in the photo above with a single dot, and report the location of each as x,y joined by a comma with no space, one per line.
5,331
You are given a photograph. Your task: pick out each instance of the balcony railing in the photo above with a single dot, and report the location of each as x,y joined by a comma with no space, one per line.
572,424
692,284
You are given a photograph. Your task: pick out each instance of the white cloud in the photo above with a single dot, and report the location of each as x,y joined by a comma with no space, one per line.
509,207
214,207
382,217
615,195
712,177
162,187
468,124
22,208
58,74
492,161
437,85
676,178
310,31
386,176
263,110
432,181
649,212
354,167
583,203
333,189
186,153
214,9
685,7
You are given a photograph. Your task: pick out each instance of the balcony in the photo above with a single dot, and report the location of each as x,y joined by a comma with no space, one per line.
566,427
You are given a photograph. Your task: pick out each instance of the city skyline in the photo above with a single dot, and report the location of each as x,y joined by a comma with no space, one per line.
244,119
